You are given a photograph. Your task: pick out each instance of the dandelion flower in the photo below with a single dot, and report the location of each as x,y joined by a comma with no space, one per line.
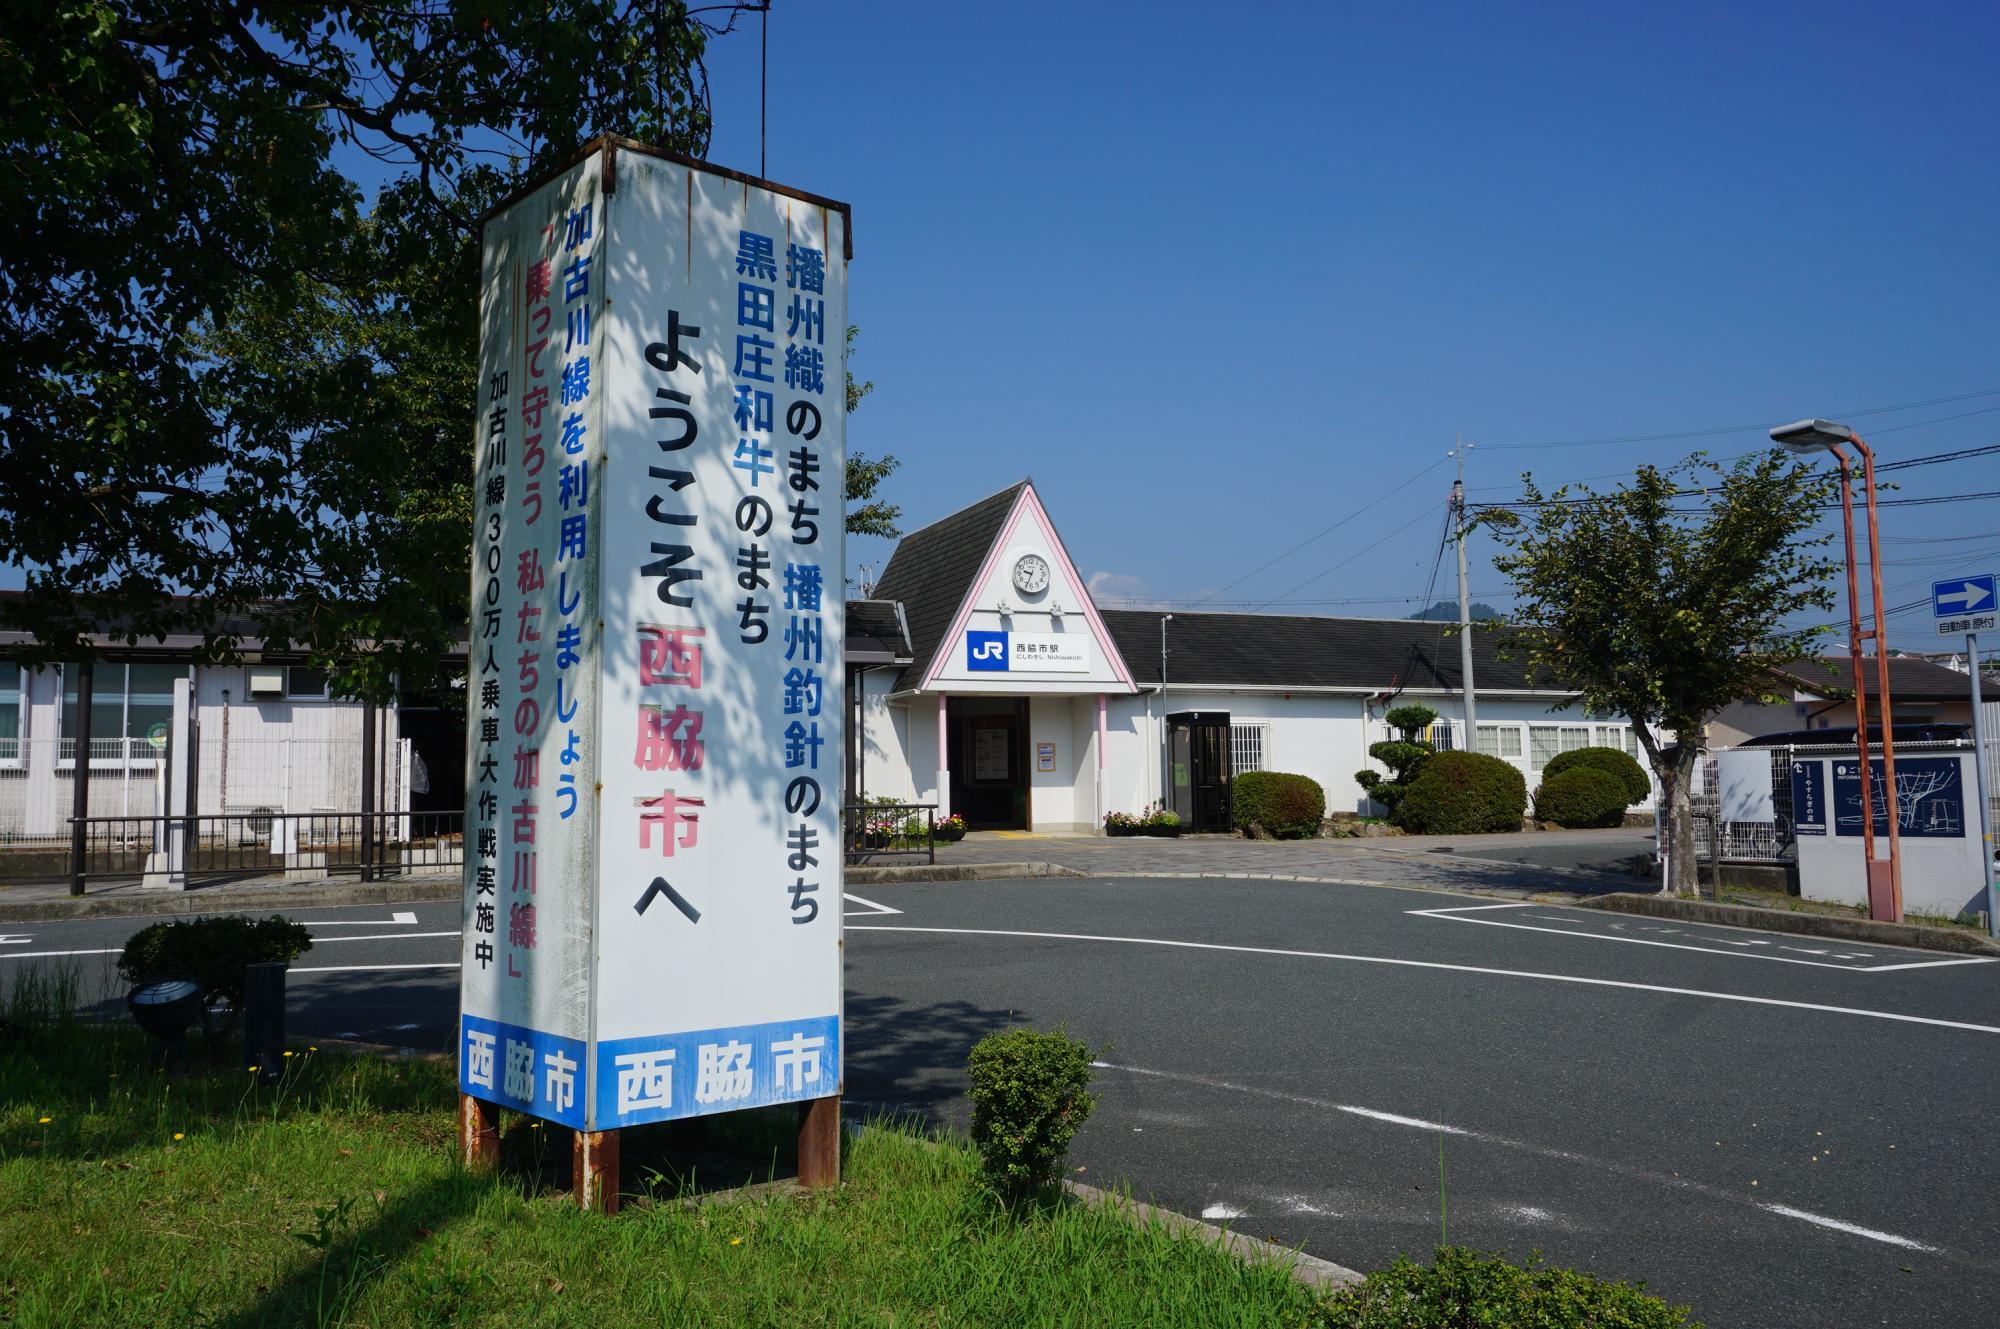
47,1120
180,1135
253,1070
736,1241
288,1052
313,1048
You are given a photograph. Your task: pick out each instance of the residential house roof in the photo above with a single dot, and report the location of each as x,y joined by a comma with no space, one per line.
1910,678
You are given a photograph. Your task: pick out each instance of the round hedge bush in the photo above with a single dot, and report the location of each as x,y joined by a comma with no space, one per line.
1629,772
1290,807
1581,796
1463,793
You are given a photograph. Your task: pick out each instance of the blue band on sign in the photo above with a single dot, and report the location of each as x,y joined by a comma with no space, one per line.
529,1070
669,1076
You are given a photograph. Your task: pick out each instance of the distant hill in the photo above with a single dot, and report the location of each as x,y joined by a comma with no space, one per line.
1446,611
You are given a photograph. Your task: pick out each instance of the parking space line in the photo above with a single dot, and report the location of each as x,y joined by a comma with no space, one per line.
877,908
1398,962
1455,915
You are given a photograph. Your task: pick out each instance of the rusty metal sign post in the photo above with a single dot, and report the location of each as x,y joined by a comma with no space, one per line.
655,694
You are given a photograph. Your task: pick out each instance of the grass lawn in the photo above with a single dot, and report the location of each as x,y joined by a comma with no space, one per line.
132,1198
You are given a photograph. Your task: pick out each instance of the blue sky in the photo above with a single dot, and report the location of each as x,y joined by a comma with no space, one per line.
1219,276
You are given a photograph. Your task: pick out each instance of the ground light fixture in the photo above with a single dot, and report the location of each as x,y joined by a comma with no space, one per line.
1885,876
165,1009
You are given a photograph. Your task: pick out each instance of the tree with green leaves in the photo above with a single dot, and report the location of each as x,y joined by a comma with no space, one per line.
866,514
1404,755
1668,598
232,386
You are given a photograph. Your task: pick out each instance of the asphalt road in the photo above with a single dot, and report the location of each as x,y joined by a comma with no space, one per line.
1778,1130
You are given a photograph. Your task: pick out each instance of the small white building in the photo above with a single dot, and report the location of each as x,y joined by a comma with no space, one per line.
267,737
986,681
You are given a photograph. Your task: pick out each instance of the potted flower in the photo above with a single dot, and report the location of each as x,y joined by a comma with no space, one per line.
1163,823
1120,824
950,830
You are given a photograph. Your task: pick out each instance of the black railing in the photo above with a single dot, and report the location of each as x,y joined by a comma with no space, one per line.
889,830
298,847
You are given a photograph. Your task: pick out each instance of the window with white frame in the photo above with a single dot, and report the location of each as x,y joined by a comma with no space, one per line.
1546,740
127,701
1439,735
1500,740
1619,736
305,682
1246,747
12,686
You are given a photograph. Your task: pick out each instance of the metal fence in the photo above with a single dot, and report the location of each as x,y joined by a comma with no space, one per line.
888,830
181,850
1773,841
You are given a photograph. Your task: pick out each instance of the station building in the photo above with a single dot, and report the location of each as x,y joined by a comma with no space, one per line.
984,679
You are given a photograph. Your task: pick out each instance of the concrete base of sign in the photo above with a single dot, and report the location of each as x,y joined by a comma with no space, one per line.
161,876
308,865
819,1142
594,1170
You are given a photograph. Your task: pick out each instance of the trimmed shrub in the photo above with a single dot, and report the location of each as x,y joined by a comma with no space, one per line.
1468,1287
1621,764
1290,807
1462,793
1030,1092
214,952
1581,796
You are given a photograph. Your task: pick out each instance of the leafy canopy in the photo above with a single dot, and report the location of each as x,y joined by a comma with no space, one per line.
1672,596
237,395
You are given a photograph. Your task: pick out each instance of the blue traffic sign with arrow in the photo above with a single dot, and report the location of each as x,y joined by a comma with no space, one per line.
1963,595
1965,604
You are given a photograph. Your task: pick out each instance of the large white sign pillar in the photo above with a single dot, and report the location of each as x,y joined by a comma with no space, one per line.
656,699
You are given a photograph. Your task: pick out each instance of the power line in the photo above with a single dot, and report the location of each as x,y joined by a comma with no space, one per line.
1345,561
1738,429
1271,562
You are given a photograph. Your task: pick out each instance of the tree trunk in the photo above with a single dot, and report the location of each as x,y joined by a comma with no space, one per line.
1686,870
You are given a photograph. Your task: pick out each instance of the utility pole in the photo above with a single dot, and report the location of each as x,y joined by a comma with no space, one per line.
1464,603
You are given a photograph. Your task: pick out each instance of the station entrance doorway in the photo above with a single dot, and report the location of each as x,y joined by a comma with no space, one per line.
1198,764
987,746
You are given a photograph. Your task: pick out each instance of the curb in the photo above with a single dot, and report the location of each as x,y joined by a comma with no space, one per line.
312,895
1805,924
1308,1269
875,876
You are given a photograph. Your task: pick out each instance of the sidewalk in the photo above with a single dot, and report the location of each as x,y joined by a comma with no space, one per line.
22,902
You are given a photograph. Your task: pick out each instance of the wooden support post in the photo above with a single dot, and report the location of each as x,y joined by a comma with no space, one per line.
594,1171
478,1131
819,1142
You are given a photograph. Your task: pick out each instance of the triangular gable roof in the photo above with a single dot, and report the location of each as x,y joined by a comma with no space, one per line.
935,571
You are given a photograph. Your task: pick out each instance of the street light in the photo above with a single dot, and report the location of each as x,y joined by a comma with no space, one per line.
1885,878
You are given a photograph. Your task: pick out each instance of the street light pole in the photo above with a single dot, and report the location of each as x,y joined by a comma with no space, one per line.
1166,760
1884,877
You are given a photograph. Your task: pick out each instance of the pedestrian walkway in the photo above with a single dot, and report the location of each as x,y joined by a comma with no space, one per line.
1572,862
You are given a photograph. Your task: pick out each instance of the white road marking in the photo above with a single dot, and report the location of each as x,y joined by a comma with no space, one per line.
49,955
402,916
878,908
15,941
1452,968
393,936
1852,1229
367,968
1674,1182
1222,1211
1457,916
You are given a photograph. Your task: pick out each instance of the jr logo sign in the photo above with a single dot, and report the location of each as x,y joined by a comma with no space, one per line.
986,650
